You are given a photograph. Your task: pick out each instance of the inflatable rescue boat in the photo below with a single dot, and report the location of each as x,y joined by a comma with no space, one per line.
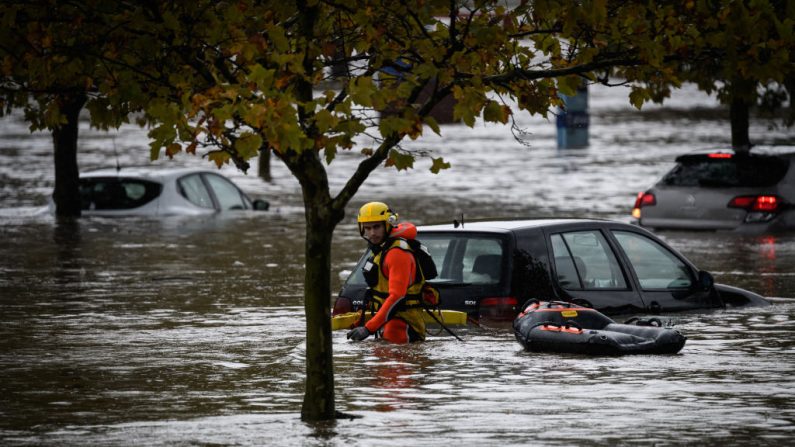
565,327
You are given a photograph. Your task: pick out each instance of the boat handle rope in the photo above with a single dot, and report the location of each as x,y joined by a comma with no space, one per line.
430,312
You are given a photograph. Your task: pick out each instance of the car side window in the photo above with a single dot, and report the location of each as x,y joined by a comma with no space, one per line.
585,261
228,195
482,262
192,188
655,265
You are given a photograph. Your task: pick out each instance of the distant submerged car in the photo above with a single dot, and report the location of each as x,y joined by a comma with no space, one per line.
161,191
722,190
490,269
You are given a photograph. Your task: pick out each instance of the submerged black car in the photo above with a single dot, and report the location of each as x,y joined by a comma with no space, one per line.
489,269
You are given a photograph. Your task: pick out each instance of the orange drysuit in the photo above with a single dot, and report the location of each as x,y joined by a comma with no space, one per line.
398,269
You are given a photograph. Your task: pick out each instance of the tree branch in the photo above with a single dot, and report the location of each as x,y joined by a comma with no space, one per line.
559,72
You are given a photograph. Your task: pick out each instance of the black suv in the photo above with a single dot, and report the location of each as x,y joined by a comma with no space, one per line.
489,269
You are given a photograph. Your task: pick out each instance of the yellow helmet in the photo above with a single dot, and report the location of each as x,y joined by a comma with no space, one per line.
377,212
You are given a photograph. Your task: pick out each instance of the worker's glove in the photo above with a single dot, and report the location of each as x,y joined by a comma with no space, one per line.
358,334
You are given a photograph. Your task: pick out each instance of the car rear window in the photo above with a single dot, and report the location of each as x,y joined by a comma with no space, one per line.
459,258
116,193
467,258
733,171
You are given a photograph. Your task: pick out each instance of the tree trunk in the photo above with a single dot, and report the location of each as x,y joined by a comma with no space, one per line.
264,164
739,112
789,84
67,175
322,216
319,393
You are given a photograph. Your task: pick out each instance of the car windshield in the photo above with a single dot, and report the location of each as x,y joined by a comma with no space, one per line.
115,193
459,258
736,171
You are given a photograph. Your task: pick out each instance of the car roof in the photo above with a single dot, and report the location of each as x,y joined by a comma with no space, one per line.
157,173
509,225
786,152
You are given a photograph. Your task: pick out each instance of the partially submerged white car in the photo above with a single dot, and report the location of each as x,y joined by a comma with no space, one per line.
151,191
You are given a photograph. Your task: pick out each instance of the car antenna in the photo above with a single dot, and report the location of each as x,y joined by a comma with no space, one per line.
116,154
456,223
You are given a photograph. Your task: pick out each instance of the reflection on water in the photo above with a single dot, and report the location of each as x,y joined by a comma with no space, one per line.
191,332
763,264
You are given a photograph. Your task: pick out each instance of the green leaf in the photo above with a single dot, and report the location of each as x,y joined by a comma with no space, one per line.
219,157
330,152
469,102
568,85
248,145
495,112
400,160
154,150
393,125
637,97
325,120
431,122
361,90
277,37
438,165
224,113
262,77
162,136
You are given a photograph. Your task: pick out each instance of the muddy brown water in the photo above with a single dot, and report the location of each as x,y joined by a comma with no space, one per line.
142,332
185,331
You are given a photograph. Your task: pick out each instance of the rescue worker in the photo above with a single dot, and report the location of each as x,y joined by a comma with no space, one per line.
393,275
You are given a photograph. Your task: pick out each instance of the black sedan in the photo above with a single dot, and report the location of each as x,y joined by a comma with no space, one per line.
490,268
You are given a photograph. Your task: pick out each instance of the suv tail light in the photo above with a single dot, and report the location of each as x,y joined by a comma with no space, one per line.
762,204
502,308
342,305
760,208
643,199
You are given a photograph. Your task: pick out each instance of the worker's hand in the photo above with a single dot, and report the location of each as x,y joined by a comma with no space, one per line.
358,334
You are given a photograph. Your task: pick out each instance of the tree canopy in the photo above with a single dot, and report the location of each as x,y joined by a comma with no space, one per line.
742,53
309,78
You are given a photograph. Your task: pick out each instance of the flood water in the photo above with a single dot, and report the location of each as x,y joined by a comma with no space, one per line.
186,331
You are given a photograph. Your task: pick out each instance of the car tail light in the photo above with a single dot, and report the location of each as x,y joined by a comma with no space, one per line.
342,306
767,204
643,199
502,308
761,204
719,155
